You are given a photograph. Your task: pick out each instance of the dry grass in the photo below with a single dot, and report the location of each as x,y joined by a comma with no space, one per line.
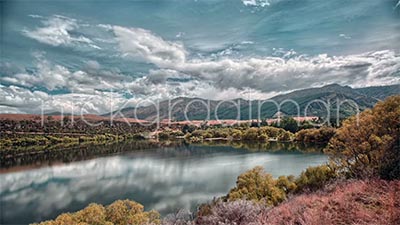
372,202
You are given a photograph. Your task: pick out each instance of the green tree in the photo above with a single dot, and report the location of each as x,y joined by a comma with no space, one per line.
188,128
289,124
250,134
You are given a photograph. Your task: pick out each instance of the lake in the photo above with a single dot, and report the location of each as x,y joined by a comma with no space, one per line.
164,178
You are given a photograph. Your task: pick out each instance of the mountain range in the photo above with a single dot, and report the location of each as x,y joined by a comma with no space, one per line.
310,102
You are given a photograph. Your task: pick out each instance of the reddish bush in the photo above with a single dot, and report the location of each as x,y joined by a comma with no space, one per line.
240,212
358,202
181,217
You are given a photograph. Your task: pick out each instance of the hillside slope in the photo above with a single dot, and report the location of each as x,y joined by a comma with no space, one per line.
352,202
315,100
380,92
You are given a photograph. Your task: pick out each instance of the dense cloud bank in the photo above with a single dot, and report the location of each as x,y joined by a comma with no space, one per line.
171,67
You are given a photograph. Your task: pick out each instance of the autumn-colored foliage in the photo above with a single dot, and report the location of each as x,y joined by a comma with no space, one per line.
258,186
350,202
314,178
358,202
120,212
314,135
242,133
232,212
368,145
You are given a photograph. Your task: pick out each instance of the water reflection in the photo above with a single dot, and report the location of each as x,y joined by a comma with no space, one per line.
164,179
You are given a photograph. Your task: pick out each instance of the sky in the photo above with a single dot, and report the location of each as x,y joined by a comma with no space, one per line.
98,56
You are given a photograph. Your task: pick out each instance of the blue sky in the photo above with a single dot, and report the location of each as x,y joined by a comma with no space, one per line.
99,54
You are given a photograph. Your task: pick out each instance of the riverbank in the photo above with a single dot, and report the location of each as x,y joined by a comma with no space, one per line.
71,152
38,156
26,146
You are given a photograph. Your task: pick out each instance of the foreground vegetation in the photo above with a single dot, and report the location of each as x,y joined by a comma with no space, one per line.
359,185
120,212
347,202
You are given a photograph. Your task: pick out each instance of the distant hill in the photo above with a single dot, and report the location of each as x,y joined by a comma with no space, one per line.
380,92
314,99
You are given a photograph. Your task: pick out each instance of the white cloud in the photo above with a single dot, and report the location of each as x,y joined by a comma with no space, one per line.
142,44
54,77
22,100
344,36
35,16
277,74
265,74
258,3
56,31
178,73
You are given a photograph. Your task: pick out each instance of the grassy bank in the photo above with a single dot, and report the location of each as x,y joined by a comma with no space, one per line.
245,133
40,139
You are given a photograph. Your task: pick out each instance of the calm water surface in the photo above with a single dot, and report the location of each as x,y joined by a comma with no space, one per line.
164,179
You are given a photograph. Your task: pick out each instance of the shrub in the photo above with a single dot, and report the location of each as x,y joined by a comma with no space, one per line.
196,139
285,137
120,212
181,217
369,146
164,135
239,212
314,178
236,134
272,131
289,124
349,202
321,135
286,183
197,133
258,186
93,214
250,134
355,202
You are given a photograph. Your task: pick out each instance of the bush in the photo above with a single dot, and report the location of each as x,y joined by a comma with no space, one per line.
285,137
236,134
369,146
321,135
355,202
258,186
314,178
181,217
93,214
120,212
237,212
250,134
164,135
196,139
289,124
